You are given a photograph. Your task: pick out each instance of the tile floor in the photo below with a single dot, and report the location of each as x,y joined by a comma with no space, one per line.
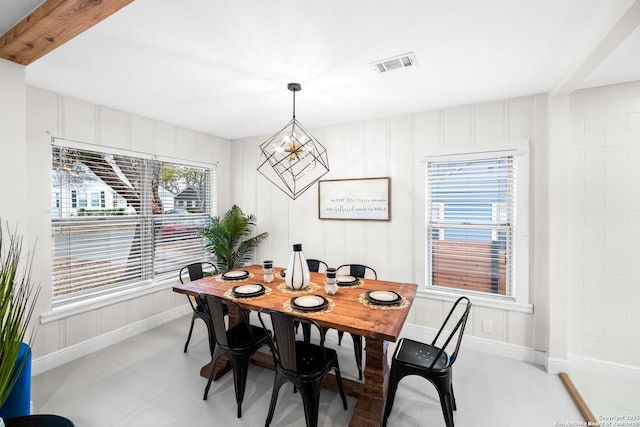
148,381
608,397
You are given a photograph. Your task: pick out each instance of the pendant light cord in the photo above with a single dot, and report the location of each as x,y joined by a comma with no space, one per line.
294,104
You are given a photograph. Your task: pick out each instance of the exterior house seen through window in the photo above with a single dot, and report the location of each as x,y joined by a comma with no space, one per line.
115,221
471,219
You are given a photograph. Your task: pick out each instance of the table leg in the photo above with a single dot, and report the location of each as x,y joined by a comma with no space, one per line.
369,408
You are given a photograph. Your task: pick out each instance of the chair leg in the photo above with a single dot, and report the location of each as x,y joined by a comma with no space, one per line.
340,388
240,370
212,373
394,379
310,393
340,334
447,410
357,349
240,379
453,399
444,387
186,345
212,340
277,383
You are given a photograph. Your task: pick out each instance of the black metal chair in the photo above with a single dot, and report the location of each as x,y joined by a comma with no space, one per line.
317,265
357,270
431,361
302,363
363,272
39,420
195,271
238,343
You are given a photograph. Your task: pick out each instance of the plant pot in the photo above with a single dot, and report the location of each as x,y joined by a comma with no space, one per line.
19,401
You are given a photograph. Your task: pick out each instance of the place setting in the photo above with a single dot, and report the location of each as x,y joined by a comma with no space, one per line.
234,276
384,299
248,291
309,304
349,281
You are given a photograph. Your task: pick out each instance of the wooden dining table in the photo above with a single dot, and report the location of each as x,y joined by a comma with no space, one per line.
349,311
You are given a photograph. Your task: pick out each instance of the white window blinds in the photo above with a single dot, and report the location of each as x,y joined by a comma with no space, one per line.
470,215
123,220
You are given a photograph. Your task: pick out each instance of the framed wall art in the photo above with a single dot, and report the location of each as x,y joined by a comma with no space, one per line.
357,198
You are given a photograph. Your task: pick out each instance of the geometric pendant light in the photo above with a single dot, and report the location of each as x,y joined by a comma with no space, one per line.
292,159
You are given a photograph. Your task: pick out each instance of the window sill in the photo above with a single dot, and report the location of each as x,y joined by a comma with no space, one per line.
74,308
478,300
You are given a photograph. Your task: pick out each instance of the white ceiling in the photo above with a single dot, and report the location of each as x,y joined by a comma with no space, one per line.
222,66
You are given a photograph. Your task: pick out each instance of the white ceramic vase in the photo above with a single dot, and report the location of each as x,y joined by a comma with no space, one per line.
297,276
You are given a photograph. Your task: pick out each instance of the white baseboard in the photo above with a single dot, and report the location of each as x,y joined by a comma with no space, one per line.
526,354
555,366
609,369
65,355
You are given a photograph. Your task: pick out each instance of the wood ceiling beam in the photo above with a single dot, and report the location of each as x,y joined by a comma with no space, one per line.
52,24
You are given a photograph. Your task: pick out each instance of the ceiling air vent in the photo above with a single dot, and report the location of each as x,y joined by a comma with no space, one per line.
401,61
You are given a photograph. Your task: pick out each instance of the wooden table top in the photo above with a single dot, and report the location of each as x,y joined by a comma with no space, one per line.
348,313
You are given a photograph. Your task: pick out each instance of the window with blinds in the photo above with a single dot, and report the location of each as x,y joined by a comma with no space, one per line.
122,219
470,222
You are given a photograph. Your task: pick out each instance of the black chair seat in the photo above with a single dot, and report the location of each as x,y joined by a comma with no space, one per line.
241,337
421,355
309,359
40,420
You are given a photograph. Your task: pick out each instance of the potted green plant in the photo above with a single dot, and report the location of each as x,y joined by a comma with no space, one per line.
18,298
230,239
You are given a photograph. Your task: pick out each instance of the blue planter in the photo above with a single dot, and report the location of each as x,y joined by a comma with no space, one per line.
19,401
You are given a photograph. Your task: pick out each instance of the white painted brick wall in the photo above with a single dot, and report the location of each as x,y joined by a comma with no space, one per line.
604,219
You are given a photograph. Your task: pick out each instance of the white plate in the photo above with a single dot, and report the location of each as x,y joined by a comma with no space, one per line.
247,289
309,301
346,279
235,274
384,296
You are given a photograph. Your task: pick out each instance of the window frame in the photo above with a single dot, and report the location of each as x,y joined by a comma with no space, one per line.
83,303
520,301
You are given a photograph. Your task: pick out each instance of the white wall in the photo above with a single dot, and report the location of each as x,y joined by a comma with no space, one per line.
13,173
52,115
391,147
604,225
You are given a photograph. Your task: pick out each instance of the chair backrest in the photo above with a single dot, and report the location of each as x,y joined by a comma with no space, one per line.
196,270
357,270
317,265
214,306
454,325
283,341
